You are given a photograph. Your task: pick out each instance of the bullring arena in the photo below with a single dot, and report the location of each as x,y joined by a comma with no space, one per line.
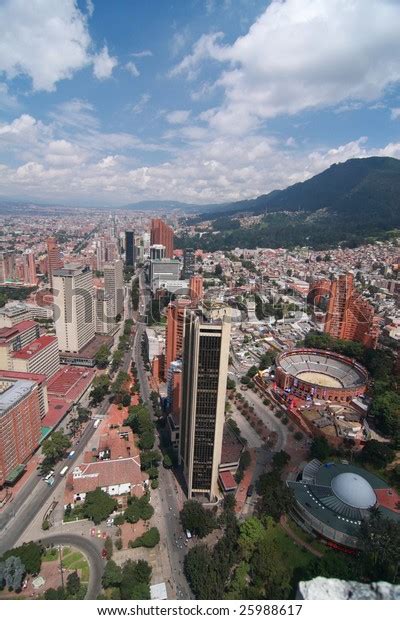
311,373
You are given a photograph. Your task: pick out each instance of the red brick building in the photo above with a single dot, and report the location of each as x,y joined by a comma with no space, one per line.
348,315
174,332
19,425
162,234
196,288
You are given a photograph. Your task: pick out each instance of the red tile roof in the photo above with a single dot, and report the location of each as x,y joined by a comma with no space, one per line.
388,498
31,376
88,476
23,326
227,481
35,347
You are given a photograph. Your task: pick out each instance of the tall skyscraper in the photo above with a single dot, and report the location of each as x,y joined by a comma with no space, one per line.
349,316
105,312
157,252
189,261
54,260
29,265
205,372
100,254
7,266
130,248
174,331
162,234
196,288
73,307
114,284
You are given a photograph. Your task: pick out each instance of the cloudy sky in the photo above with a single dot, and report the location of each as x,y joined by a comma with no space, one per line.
104,103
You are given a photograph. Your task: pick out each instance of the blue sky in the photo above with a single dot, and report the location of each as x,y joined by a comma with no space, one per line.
105,103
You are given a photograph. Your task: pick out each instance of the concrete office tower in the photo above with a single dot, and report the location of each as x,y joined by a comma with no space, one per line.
196,288
14,339
174,331
205,372
130,257
7,266
189,262
73,307
114,284
29,266
157,252
19,425
54,260
162,234
104,312
100,254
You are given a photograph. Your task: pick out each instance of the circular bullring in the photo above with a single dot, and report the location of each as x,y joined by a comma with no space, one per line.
312,373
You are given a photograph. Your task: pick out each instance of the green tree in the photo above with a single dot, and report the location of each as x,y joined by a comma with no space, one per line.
276,498
167,462
251,532
112,575
30,555
101,357
98,505
149,539
385,409
100,388
73,584
135,580
55,447
150,458
320,449
377,453
230,384
108,546
280,459
197,519
380,539
269,575
218,270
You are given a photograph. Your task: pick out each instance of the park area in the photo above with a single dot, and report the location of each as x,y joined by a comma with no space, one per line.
49,582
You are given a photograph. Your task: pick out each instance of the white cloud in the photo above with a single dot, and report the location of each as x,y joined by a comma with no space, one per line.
395,113
7,101
90,7
180,39
132,68
302,54
103,64
142,54
46,40
138,107
67,164
76,114
178,117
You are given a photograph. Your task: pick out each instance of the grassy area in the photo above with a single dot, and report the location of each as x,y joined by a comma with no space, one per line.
307,538
75,560
293,556
74,515
50,555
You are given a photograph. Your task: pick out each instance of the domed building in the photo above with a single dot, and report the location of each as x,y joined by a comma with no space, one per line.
331,501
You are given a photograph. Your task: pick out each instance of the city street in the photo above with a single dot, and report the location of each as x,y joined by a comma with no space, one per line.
168,498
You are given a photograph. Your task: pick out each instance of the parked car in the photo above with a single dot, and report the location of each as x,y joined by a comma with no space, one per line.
250,490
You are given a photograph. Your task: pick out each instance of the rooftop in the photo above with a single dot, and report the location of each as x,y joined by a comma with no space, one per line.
7,333
35,347
12,395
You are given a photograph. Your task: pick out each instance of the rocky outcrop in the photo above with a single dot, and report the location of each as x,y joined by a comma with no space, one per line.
321,588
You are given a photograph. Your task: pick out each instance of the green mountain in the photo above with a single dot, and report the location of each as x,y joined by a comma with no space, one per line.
349,202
